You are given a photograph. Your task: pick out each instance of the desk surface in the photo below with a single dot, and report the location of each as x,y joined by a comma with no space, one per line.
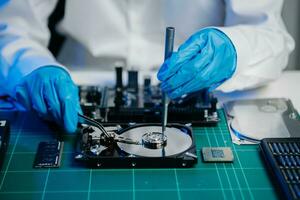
245,178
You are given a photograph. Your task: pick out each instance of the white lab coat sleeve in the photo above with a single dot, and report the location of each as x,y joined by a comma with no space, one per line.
261,41
24,37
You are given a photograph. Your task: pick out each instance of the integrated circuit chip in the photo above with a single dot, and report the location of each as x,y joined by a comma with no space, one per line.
48,154
217,154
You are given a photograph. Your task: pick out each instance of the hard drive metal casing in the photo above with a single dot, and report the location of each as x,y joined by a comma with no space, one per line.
251,120
115,157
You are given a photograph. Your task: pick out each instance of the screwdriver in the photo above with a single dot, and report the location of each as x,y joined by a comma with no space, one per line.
169,43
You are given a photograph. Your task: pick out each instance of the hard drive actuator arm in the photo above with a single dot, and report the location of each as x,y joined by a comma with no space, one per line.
109,136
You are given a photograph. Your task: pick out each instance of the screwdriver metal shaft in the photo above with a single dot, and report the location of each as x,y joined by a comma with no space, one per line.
169,43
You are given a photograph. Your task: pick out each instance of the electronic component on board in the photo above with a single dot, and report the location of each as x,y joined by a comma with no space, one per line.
4,140
143,104
48,154
119,98
119,78
132,81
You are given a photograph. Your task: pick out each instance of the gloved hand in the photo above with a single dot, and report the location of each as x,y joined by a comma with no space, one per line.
51,92
3,2
205,60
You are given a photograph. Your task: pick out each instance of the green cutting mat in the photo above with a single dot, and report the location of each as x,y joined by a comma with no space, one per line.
246,178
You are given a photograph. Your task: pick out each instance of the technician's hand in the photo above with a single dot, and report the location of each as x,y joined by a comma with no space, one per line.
51,92
205,60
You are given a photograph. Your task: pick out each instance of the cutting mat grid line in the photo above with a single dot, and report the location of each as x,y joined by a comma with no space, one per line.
226,141
86,170
217,170
137,190
46,182
133,184
223,165
177,185
246,178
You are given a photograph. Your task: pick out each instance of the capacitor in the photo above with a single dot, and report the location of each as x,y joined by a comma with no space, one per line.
147,82
119,87
94,95
132,80
119,78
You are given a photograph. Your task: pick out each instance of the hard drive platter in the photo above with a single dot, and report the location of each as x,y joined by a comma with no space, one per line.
176,141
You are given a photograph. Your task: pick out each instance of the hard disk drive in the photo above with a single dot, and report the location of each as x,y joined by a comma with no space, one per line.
141,145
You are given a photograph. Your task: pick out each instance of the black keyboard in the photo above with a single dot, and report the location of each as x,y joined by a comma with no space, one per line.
282,156
4,140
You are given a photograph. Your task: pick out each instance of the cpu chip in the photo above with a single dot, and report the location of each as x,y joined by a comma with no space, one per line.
217,154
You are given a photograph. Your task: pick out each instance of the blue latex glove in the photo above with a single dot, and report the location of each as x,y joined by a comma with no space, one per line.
205,60
51,92
3,2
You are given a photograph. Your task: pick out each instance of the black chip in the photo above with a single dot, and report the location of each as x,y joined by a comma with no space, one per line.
48,154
